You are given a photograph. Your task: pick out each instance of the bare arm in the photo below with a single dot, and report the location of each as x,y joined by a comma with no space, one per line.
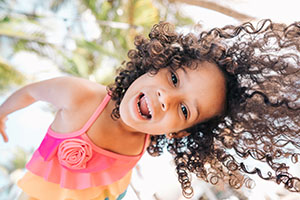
62,92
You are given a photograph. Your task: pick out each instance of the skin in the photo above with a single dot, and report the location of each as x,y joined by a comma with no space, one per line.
203,88
200,91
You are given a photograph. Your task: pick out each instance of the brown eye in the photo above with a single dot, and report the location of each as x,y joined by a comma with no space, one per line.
174,79
184,111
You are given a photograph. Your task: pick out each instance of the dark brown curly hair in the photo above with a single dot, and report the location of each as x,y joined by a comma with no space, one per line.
261,119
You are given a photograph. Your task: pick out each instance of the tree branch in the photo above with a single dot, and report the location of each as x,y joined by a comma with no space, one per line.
217,7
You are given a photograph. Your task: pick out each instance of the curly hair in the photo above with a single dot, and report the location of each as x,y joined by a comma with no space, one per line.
261,119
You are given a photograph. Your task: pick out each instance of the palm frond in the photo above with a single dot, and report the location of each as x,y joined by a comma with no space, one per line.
22,29
55,5
93,46
143,12
9,75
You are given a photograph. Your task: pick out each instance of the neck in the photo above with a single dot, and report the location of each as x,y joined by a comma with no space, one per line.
117,125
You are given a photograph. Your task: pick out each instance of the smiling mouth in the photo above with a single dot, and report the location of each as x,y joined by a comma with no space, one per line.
143,107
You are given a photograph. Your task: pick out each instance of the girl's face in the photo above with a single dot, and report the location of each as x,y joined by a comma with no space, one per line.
172,101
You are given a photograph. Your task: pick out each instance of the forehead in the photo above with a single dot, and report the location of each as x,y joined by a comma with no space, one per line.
205,85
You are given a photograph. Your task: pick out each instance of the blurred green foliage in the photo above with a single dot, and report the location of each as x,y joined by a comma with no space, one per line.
117,23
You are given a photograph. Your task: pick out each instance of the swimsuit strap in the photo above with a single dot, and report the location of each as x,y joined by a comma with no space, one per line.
95,115
87,125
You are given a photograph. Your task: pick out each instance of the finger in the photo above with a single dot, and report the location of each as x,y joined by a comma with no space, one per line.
4,135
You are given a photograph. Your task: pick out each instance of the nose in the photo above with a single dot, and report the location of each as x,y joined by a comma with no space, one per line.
164,99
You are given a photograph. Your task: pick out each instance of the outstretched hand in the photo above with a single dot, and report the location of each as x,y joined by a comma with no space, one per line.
3,127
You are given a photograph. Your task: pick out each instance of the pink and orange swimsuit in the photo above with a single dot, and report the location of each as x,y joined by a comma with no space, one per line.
71,166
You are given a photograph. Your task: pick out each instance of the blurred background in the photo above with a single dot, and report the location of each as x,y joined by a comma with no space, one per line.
90,39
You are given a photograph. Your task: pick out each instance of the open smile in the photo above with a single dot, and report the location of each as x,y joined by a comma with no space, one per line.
143,107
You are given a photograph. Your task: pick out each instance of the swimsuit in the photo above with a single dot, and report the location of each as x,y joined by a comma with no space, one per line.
71,166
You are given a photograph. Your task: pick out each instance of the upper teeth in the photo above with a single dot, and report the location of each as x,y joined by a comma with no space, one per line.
147,103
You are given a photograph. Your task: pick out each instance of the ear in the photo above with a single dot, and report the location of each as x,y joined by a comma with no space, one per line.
169,135
182,134
179,134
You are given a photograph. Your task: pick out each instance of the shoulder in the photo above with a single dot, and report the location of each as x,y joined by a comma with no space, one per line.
81,91
74,81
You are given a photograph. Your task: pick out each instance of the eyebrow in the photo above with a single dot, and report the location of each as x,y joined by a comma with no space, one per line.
185,72
197,109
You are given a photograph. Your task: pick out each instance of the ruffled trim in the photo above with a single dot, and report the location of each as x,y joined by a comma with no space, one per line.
77,163
37,187
52,171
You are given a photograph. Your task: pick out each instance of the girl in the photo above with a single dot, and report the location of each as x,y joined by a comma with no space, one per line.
234,88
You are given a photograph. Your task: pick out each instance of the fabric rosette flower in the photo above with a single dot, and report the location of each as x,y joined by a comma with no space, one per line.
74,153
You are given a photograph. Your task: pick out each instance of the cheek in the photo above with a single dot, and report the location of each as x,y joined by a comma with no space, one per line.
171,123
124,110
